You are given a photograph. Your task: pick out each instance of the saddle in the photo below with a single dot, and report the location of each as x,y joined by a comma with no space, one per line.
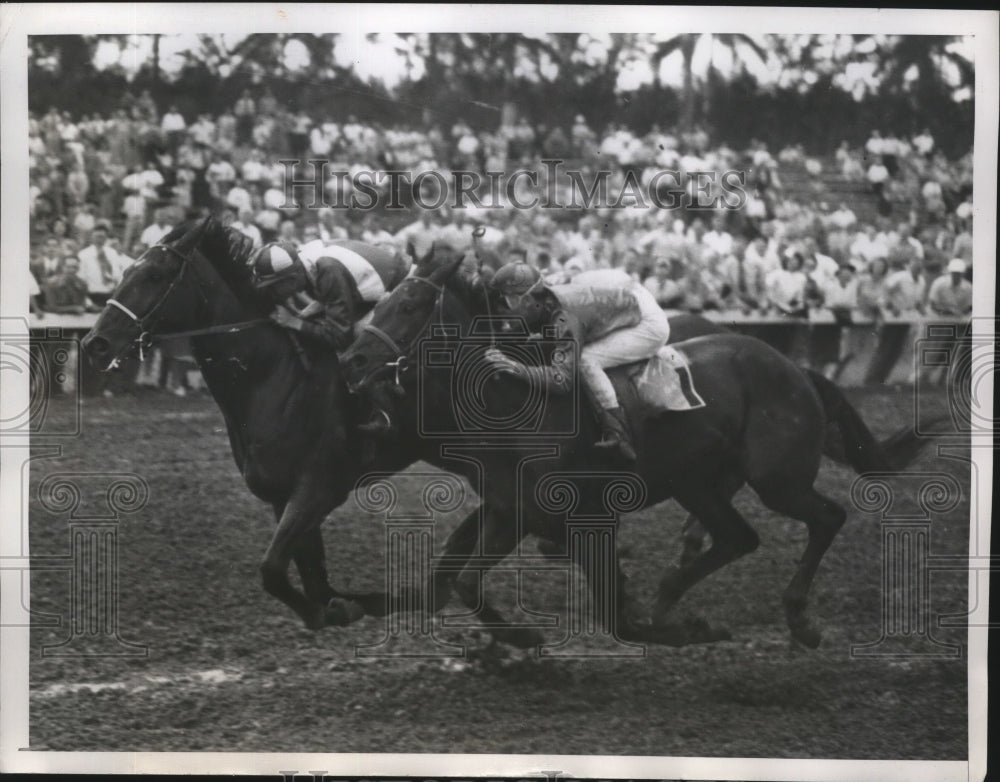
664,382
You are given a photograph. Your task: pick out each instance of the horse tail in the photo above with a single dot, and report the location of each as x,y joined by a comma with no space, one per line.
849,441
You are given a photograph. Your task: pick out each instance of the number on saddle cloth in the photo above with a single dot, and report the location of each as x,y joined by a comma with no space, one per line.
664,382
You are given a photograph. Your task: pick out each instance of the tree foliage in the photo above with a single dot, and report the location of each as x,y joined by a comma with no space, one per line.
828,87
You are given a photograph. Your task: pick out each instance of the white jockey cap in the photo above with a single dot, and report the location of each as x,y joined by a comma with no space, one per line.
956,266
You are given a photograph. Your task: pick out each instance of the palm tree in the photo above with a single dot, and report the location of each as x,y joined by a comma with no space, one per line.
686,43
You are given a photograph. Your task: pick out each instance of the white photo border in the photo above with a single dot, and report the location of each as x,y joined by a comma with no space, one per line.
18,21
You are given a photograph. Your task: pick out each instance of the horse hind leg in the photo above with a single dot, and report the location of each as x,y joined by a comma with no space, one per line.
310,561
732,538
693,532
824,518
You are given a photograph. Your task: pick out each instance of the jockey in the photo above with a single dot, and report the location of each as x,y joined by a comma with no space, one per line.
322,290
615,321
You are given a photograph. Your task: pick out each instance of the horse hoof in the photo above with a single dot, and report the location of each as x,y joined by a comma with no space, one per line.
340,612
808,636
701,632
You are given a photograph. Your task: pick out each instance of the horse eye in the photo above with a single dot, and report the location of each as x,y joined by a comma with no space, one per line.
406,308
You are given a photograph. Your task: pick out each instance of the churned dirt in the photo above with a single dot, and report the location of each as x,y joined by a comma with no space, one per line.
228,668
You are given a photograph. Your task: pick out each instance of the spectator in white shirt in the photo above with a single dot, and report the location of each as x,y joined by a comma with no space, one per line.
253,169
203,131
867,247
422,233
924,143
173,126
160,227
905,291
84,223
101,266
786,287
877,176
220,177
238,197
133,207
950,294
329,231
875,145
245,226
718,239
841,293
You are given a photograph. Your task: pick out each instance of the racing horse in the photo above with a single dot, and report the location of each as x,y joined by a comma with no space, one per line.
894,453
764,426
286,411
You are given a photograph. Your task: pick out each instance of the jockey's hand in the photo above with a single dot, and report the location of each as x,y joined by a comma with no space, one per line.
284,317
503,363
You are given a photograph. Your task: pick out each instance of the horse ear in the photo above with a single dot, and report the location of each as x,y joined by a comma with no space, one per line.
193,238
428,260
423,266
446,270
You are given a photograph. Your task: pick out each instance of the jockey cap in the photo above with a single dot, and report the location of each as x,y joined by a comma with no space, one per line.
274,261
514,281
517,279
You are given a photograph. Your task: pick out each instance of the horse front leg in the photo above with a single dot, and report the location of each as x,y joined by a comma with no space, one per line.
298,527
498,538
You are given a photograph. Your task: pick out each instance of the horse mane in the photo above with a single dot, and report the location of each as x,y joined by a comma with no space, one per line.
228,251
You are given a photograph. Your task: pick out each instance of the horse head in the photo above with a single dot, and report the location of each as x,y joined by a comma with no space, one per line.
170,288
389,341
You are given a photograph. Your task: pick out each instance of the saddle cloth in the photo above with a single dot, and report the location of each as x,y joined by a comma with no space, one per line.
665,382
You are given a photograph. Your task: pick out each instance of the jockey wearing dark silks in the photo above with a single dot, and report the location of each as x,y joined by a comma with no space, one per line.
323,290
614,322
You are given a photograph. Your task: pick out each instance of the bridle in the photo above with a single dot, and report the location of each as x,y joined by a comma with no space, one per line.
403,355
146,323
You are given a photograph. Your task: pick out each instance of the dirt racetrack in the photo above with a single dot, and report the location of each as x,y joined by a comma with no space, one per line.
230,669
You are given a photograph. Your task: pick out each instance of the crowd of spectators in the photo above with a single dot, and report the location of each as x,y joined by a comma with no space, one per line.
103,189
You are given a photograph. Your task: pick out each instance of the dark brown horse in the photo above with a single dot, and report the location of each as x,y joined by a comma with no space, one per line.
285,406
843,423
765,425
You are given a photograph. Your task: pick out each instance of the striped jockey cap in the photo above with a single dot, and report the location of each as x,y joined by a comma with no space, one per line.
273,260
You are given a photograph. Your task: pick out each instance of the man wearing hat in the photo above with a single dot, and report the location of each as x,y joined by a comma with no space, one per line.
950,295
614,323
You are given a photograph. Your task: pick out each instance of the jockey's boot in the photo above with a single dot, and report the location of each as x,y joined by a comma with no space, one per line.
615,436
